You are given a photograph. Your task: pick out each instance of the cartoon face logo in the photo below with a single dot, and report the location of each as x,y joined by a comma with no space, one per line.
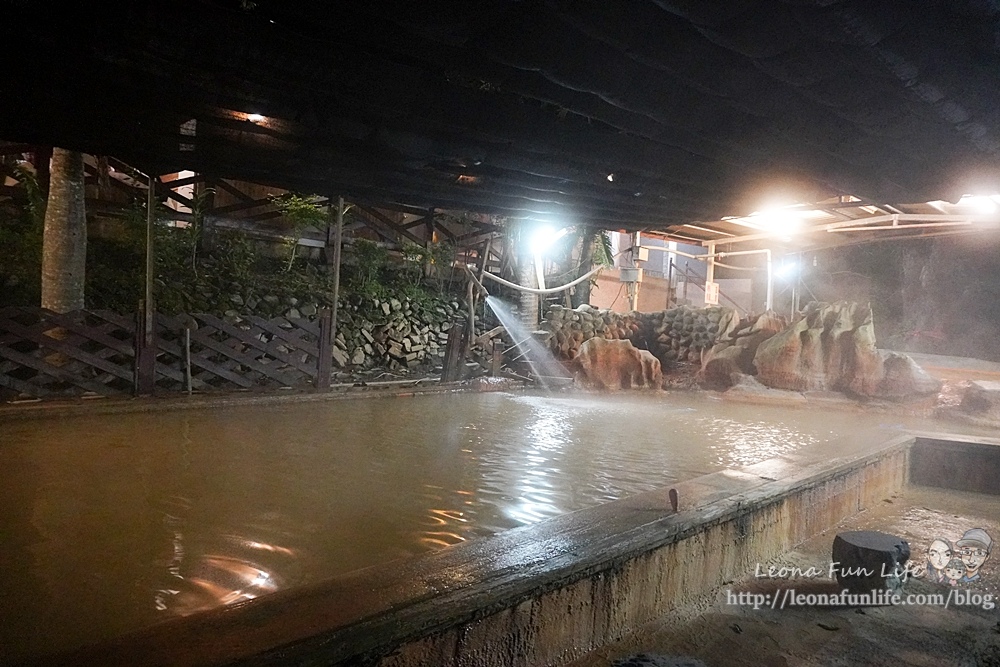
938,554
973,549
954,571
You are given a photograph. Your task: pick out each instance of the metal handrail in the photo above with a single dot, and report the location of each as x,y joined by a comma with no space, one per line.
688,274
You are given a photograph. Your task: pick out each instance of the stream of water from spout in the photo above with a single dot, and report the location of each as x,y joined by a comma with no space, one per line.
540,359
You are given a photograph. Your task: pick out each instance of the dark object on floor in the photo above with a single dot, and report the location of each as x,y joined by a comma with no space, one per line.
650,660
673,499
867,560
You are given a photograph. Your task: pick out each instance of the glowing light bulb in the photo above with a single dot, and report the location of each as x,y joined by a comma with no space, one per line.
982,204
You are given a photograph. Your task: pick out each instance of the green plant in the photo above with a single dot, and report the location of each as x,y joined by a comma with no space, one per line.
21,232
603,252
370,259
302,212
426,260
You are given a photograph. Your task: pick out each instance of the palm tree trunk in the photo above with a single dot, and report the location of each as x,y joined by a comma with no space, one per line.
64,245
528,303
581,293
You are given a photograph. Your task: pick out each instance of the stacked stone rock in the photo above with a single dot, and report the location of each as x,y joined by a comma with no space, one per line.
570,328
393,333
678,334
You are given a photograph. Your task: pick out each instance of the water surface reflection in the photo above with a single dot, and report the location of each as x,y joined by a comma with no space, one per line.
113,523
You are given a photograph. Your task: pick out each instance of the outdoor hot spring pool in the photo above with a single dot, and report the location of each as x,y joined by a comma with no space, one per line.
111,523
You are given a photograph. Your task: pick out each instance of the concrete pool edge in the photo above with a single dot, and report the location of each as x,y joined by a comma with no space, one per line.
96,406
541,594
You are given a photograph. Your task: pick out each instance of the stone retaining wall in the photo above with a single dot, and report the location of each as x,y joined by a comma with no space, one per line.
393,333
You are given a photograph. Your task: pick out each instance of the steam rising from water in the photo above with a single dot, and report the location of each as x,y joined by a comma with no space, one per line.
110,524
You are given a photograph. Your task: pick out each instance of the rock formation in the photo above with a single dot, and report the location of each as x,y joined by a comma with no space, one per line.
677,334
681,334
982,399
733,357
831,347
571,328
611,365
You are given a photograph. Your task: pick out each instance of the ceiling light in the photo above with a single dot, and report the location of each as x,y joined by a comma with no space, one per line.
611,177
982,204
544,237
255,118
781,221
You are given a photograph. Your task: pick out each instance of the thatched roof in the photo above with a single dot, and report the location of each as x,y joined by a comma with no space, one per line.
618,113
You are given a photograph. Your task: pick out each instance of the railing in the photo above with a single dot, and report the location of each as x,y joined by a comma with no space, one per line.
692,277
44,354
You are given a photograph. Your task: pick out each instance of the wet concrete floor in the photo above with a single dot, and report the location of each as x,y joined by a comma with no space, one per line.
727,631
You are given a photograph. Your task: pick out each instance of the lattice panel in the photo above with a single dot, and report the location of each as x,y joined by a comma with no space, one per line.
248,353
46,354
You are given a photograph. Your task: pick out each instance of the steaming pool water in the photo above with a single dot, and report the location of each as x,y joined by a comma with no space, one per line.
112,523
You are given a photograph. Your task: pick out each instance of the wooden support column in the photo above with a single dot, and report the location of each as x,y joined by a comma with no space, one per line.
470,334
145,332
145,354
452,369
496,359
324,363
338,242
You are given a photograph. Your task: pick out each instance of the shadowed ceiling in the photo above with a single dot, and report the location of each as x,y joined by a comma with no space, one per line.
634,114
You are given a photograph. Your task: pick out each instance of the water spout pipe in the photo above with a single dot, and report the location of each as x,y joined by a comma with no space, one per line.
473,278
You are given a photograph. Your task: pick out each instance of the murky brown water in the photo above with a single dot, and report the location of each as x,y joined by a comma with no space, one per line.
113,523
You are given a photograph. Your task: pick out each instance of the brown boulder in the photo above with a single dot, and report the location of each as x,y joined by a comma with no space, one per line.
729,360
982,399
611,365
902,377
831,347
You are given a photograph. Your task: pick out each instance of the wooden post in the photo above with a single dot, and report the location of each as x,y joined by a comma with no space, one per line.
470,334
145,353
496,360
150,260
338,232
187,361
325,361
452,369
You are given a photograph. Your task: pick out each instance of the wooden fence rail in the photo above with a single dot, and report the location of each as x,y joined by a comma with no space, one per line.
45,354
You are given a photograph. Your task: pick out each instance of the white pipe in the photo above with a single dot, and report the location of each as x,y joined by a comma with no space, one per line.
896,227
550,290
770,283
710,272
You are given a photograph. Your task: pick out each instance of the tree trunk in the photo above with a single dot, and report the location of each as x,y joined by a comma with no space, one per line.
64,245
581,293
528,303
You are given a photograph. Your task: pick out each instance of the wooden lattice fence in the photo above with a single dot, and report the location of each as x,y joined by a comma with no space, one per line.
243,353
44,354
93,352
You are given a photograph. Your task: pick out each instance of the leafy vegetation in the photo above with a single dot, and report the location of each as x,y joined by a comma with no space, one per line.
211,269
21,239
